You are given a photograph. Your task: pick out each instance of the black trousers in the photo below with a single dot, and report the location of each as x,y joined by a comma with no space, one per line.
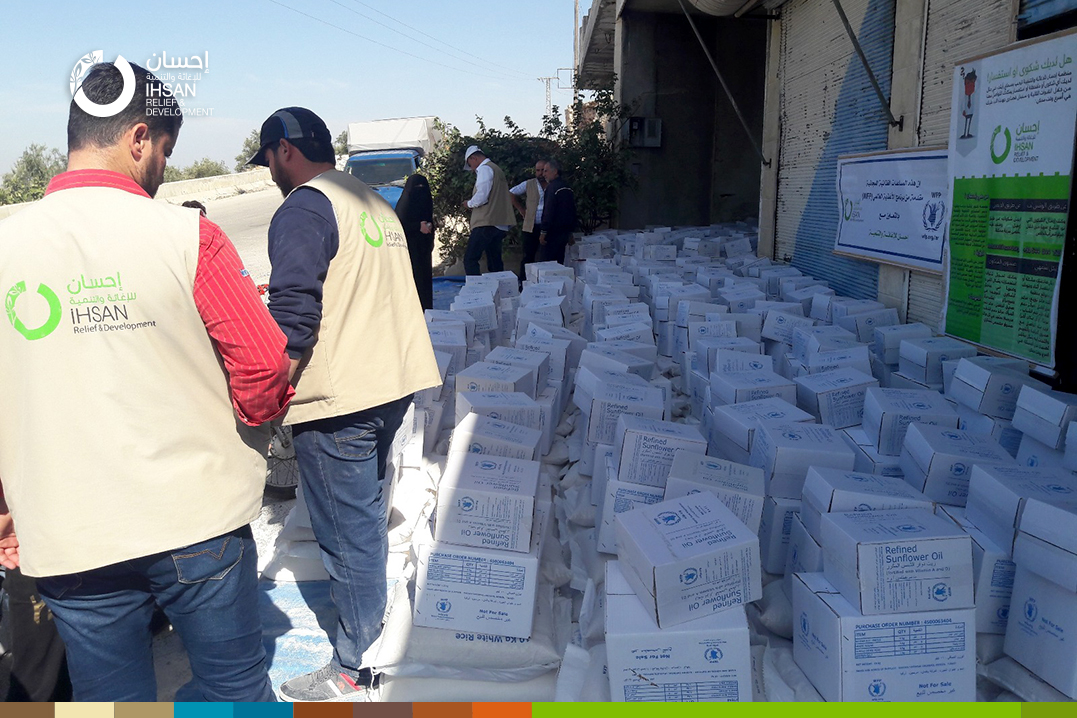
531,247
488,240
39,659
554,249
421,252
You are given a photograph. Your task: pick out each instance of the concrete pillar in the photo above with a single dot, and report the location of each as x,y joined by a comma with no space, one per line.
772,131
910,17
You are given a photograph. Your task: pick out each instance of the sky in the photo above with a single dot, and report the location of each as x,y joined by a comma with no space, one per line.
347,60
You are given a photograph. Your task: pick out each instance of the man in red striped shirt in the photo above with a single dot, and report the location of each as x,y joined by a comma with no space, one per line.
139,364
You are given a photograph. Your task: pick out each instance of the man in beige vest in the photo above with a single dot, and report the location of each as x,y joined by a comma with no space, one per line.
341,288
491,212
138,365
533,190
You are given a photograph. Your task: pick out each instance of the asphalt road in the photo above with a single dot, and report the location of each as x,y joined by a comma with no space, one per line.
245,219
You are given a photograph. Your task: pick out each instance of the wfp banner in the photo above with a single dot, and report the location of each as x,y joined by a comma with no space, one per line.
1011,165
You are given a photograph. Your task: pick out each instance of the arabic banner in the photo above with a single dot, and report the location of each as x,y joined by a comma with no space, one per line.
1011,166
894,207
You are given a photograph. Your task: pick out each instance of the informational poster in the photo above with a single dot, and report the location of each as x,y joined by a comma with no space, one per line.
1011,166
894,207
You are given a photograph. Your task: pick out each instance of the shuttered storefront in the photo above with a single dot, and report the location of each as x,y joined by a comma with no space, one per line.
955,30
828,108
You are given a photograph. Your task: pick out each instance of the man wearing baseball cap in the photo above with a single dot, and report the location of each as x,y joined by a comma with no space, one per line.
341,289
491,212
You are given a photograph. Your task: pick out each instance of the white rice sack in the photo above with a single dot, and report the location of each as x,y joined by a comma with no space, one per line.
571,675
776,610
416,651
578,506
783,680
414,690
596,684
559,453
989,647
1012,676
593,614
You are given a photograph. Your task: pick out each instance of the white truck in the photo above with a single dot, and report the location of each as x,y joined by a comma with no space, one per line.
383,153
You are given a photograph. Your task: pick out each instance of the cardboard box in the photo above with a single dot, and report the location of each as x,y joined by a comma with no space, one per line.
830,490
487,501
1044,600
478,589
992,571
600,357
738,422
646,448
487,376
775,529
863,324
739,487
689,557
805,339
779,325
556,349
1045,415
938,460
785,450
515,408
868,460
481,308
610,401
604,470
728,361
898,657
1001,430
990,389
738,387
998,494
897,561
1035,454
845,307
888,339
477,434
888,413
921,359
707,659
804,554
630,331
621,496
537,362
835,397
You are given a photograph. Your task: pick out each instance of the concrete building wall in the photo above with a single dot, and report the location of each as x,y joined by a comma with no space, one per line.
705,171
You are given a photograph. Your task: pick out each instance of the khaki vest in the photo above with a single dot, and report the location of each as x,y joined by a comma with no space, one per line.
118,439
498,208
534,195
372,345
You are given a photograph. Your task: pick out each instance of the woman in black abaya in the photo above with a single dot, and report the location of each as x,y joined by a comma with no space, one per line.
415,210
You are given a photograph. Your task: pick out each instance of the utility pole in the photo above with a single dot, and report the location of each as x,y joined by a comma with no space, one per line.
549,99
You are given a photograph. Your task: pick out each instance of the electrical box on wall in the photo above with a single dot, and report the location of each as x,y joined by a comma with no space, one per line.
644,132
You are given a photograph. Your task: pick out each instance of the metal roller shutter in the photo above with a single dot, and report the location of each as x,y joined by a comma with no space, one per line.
956,29
828,108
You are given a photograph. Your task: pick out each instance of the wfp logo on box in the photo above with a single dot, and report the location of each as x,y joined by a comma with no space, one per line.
952,435
910,528
1059,489
472,386
1003,613
712,465
920,405
488,465
864,507
1031,610
475,447
775,415
959,469
443,606
792,436
466,503
689,576
877,688
713,655
667,518
755,364
805,625
940,592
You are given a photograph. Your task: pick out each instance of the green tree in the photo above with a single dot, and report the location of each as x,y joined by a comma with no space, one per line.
204,167
30,174
250,146
594,159
340,144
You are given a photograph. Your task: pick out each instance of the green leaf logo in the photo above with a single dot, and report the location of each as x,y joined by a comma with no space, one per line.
55,312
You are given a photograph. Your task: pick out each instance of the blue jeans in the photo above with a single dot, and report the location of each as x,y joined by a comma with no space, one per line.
342,466
208,590
484,239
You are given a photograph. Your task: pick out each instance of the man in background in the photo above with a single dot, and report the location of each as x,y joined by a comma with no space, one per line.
558,216
491,212
533,190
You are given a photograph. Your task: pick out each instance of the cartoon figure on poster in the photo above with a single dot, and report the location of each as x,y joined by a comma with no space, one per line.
967,140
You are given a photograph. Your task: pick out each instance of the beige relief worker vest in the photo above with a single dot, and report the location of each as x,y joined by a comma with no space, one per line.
498,207
372,345
118,438
534,194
